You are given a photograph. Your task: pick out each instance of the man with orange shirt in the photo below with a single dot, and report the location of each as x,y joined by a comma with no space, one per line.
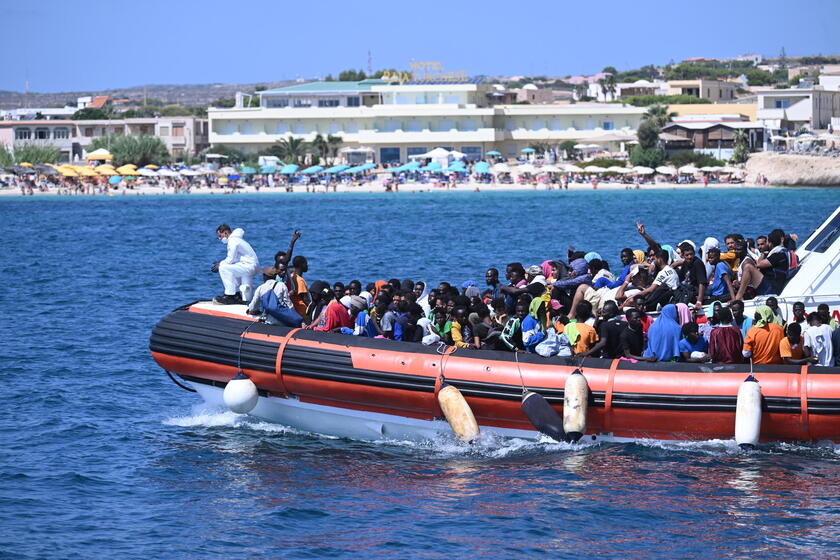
298,291
762,340
585,336
792,347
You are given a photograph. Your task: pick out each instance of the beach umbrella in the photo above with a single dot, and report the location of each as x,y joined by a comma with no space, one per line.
189,172
593,169
312,170
21,170
166,172
526,168
233,177
730,170
710,168
150,166
688,169
433,167
481,167
26,164
105,170
666,170
456,167
572,168
501,168
100,154
617,169
87,172
46,169
114,179
288,169
549,169
642,170
227,170
265,169
492,153
337,169
245,170
527,150
68,172
126,169
145,172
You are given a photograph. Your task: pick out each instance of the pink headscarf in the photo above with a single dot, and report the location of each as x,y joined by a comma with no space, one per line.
546,268
683,314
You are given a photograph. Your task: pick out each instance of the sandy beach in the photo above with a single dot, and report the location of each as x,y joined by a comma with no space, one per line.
377,187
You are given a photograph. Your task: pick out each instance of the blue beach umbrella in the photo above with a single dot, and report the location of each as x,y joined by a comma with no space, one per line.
312,170
234,177
114,179
288,169
267,169
528,150
493,153
481,167
337,169
245,170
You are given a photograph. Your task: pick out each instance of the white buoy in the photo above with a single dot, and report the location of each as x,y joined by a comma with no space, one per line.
240,394
575,400
748,414
458,413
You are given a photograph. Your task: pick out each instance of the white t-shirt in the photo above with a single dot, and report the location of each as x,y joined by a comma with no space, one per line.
667,276
818,339
280,290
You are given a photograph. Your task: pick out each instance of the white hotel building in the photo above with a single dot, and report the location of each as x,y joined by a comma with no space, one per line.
401,120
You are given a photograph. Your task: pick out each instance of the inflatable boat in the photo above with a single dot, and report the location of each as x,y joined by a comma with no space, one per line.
374,389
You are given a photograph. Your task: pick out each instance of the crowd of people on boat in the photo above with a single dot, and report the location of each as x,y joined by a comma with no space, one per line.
666,303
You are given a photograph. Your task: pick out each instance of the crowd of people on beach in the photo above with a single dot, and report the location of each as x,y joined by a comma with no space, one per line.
666,303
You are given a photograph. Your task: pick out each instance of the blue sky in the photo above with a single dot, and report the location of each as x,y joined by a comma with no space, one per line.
98,44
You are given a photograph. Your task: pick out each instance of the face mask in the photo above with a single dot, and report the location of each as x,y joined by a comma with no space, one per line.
224,240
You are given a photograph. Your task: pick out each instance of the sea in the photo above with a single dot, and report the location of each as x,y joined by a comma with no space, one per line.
102,456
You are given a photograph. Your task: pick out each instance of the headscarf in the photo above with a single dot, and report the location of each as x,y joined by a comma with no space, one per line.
765,316
664,335
471,291
709,243
367,295
378,286
683,313
591,255
710,310
546,269
672,255
639,255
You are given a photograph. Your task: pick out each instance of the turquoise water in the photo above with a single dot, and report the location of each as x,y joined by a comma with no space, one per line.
103,457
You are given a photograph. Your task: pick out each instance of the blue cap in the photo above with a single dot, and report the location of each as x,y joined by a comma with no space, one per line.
591,255
467,284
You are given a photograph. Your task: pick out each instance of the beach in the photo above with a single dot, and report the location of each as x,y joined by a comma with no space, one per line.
377,187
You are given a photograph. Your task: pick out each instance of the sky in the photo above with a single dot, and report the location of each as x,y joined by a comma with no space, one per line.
57,45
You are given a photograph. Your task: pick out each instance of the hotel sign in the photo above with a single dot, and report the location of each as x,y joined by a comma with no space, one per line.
426,72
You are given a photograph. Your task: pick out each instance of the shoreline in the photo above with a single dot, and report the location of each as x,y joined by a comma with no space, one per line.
406,188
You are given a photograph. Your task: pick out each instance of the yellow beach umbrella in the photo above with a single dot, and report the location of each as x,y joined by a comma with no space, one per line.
68,173
127,169
150,166
103,170
23,163
87,172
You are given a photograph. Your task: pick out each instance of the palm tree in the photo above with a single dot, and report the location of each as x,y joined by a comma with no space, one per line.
659,115
333,143
290,150
611,86
319,146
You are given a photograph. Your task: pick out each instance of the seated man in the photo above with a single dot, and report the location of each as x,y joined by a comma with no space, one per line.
661,291
238,268
277,310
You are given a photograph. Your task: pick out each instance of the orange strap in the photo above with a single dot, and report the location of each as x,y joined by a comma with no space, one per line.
803,401
608,394
279,360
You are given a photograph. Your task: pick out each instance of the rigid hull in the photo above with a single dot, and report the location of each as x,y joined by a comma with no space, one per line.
369,388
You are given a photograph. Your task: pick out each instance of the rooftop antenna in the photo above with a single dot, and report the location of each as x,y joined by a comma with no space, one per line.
370,64
26,93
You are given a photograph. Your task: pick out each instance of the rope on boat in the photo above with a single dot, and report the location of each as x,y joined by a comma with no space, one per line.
178,383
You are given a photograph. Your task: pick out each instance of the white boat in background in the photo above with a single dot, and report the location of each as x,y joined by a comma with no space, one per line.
818,278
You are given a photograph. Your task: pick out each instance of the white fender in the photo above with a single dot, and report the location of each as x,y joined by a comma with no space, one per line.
748,413
240,394
458,413
575,400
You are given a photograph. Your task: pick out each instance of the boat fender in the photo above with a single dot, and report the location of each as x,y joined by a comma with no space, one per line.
542,416
575,400
458,413
748,414
240,394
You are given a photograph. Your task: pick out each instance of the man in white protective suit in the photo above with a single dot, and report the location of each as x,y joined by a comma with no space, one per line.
238,268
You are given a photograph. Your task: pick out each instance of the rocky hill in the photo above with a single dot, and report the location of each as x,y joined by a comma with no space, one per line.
200,95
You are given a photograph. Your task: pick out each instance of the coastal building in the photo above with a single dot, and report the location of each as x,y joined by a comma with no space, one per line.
795,109
715,111
624,90
182,135
392,122
713,90
716,138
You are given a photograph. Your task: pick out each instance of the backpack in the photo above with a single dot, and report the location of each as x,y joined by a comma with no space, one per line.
509,331
270,304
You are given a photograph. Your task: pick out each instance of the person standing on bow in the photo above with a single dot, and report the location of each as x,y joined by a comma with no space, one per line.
238,268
